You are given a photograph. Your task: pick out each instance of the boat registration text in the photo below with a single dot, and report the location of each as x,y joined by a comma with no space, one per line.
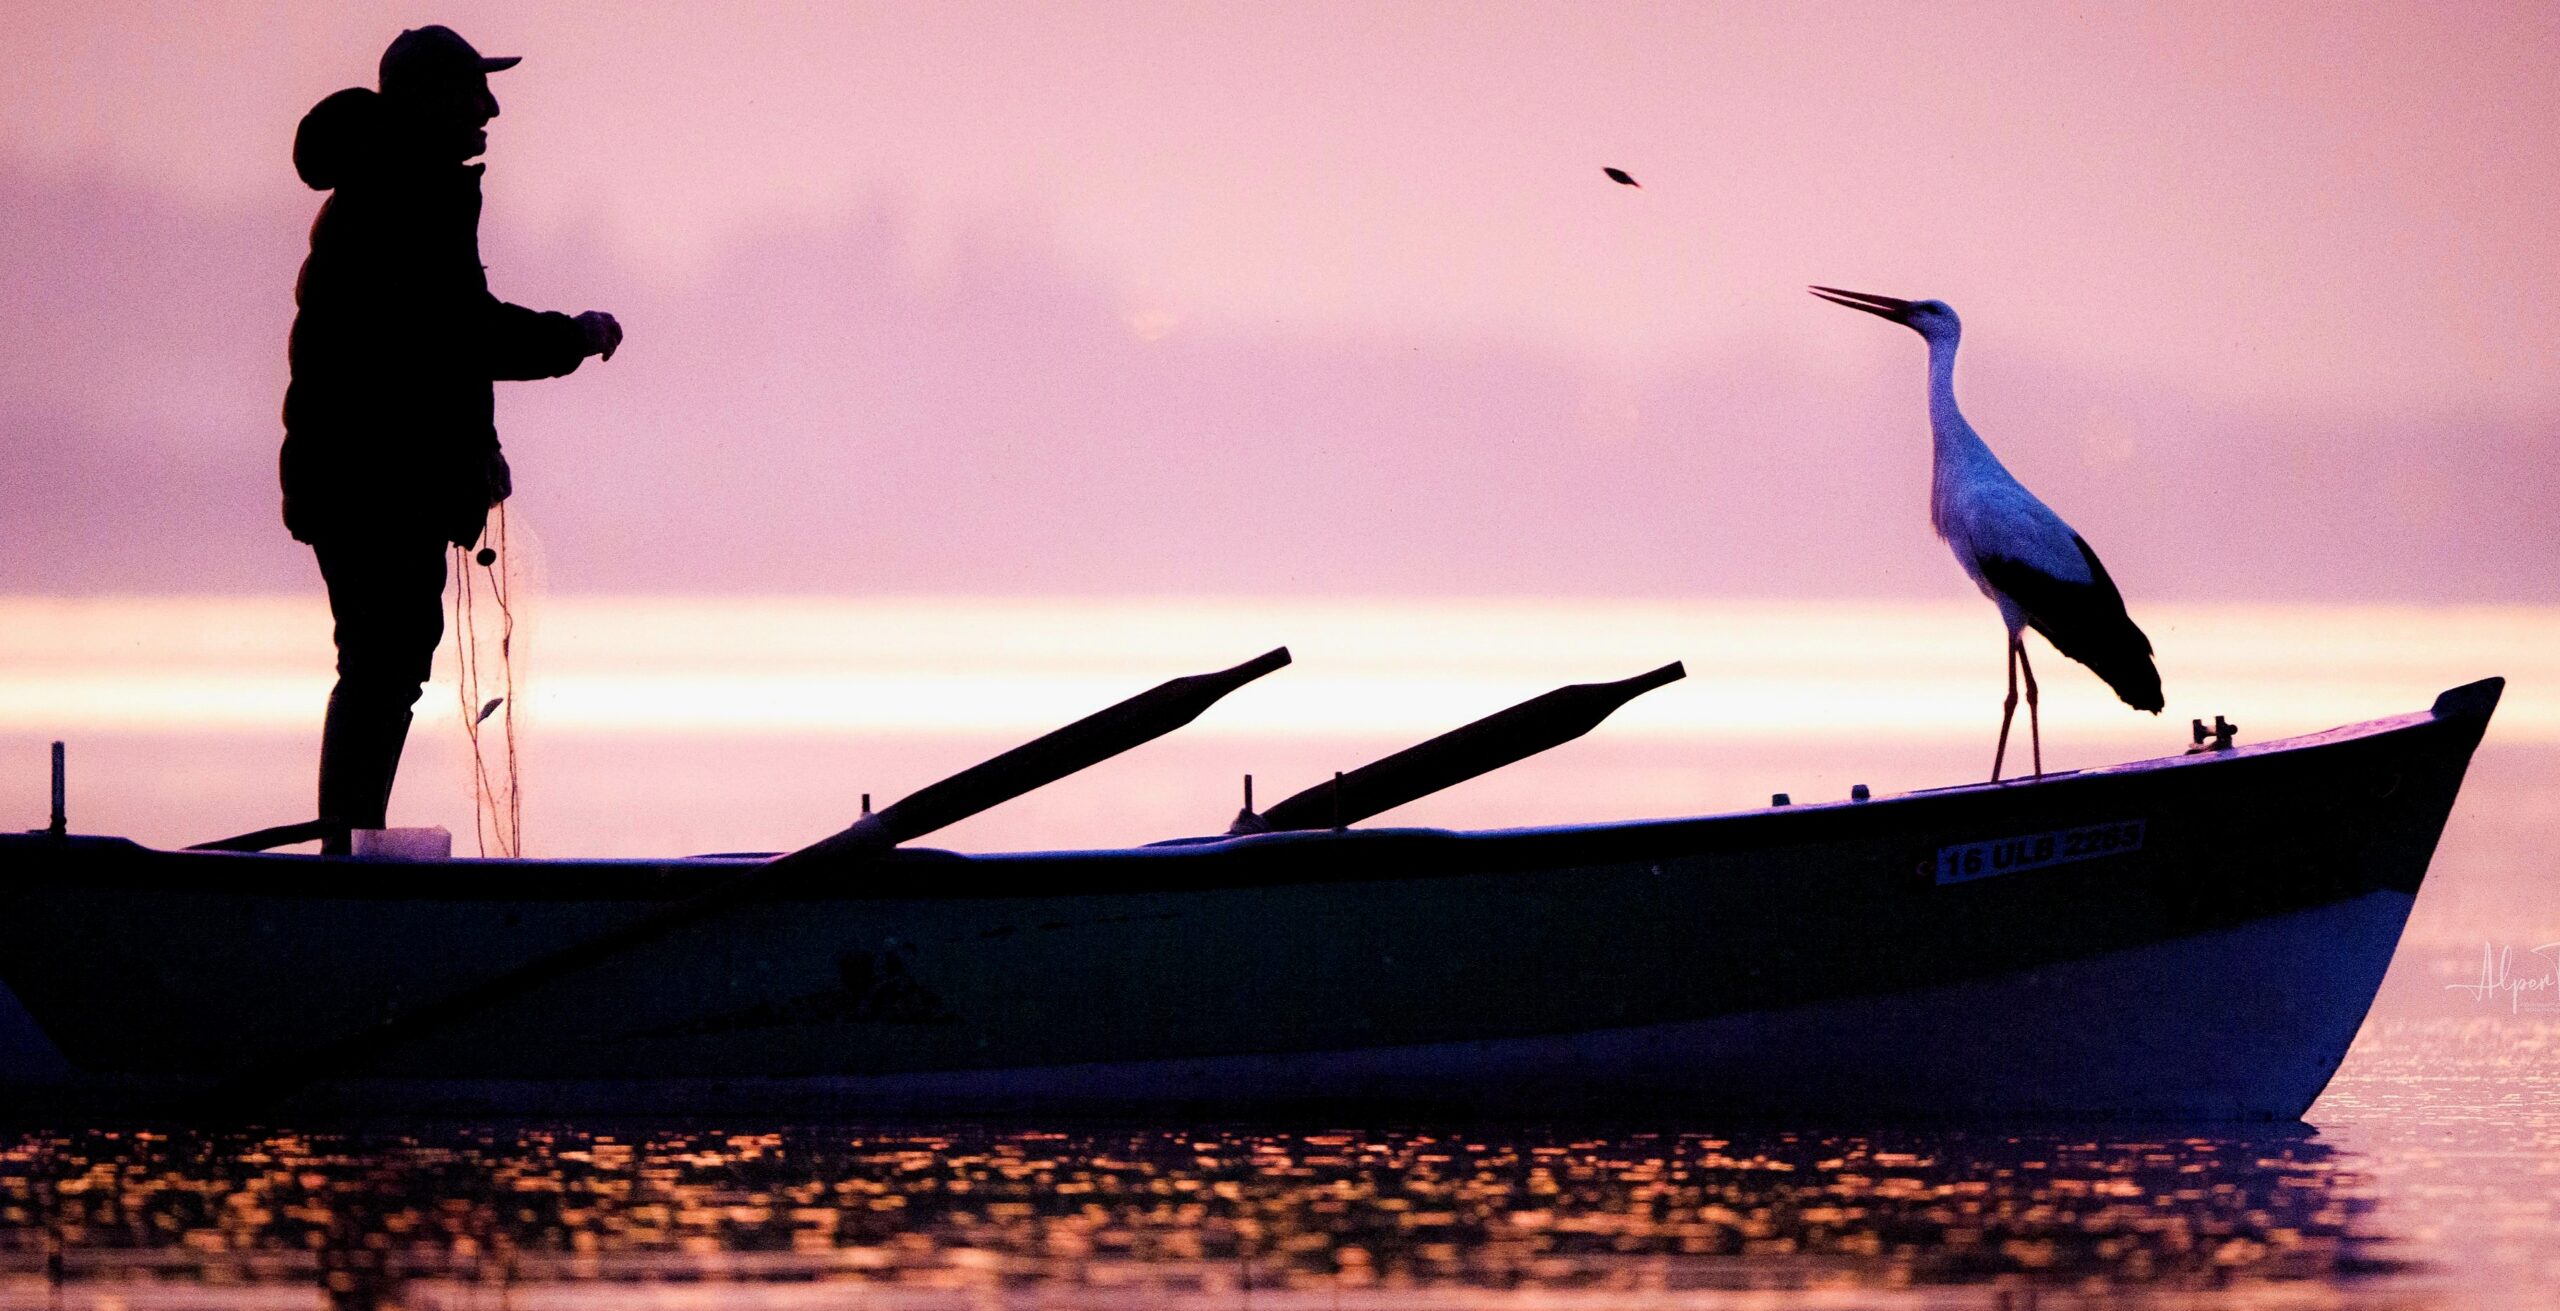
1967,861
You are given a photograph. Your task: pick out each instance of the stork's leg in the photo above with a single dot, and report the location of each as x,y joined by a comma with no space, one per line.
2035,732
2008,711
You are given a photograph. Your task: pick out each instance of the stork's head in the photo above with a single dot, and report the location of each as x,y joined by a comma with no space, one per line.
1933,319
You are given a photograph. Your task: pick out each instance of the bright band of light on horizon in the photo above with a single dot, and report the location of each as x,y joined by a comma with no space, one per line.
964,667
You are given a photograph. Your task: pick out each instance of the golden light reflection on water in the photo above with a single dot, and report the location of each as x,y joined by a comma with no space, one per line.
974,665
1185,1216
2425,1185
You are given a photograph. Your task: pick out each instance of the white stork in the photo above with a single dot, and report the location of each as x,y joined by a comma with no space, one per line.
2017,550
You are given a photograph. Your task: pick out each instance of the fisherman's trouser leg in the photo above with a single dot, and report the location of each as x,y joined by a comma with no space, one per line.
387,596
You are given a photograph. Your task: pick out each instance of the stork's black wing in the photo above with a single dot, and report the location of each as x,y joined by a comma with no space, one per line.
2085,621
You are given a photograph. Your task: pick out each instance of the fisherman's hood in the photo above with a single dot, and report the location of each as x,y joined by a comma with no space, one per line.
341,138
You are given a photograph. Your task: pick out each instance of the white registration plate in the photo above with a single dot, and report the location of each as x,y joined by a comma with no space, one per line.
1967,861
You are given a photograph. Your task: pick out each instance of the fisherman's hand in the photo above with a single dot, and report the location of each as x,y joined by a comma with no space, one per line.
603,333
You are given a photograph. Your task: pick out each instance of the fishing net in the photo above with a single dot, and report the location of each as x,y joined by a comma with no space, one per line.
491,587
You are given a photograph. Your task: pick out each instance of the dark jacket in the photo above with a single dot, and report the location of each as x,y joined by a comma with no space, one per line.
388,425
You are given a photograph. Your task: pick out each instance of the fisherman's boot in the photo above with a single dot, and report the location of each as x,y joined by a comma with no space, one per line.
359,756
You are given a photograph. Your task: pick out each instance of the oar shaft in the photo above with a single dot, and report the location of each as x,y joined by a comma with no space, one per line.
1460,754
1097,737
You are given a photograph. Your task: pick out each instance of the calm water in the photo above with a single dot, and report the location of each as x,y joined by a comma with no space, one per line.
2428,1181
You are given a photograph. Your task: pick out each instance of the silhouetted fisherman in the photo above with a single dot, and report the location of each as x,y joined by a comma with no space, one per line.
390,451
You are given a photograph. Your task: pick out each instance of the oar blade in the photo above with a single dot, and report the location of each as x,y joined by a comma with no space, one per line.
1498,739
1046,759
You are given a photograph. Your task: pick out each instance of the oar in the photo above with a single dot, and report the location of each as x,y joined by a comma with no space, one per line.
1097,737
1454,757
279,835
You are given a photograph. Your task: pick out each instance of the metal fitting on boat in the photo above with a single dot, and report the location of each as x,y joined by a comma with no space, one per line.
2222,732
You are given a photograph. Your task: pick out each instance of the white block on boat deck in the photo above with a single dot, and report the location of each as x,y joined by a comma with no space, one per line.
431,843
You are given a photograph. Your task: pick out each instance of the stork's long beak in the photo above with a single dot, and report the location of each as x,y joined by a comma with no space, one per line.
1888,307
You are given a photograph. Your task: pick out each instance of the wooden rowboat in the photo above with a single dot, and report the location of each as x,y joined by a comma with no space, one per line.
2191,937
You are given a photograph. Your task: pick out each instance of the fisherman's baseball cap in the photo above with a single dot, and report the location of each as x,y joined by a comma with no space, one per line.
423,57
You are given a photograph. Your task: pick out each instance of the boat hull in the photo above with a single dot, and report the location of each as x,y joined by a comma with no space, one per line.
2196,937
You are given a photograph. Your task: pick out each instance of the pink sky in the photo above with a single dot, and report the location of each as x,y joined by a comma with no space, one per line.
1333,299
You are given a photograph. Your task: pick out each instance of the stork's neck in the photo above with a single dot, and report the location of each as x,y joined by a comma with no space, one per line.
1959,454
1943,414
